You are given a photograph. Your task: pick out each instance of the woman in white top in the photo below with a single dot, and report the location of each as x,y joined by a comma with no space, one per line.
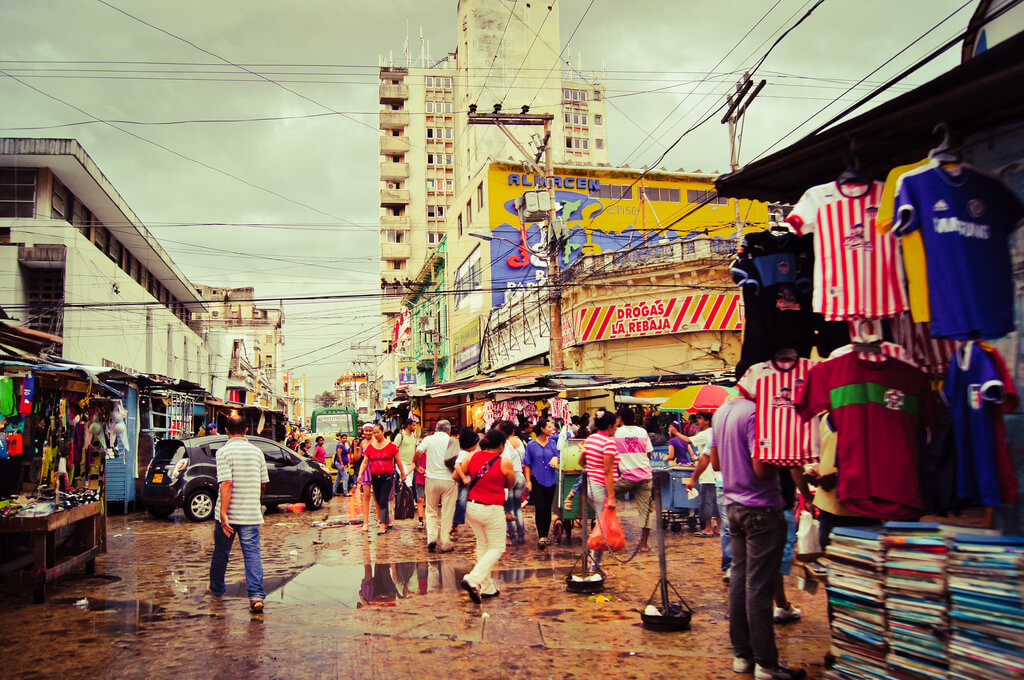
514,451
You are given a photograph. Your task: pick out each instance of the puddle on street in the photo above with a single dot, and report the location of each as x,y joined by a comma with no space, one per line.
355,586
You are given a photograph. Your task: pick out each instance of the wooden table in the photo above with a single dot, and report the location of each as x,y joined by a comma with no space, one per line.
43,530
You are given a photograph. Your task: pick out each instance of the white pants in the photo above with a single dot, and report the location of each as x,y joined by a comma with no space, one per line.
443,493
488,525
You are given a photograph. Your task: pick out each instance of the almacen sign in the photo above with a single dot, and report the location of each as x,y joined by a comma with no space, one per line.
708,312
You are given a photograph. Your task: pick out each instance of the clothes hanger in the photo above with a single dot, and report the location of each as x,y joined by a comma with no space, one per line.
786,354
852,174
944,152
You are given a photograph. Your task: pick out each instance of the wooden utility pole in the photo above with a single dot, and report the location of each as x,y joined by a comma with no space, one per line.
502,120
737,107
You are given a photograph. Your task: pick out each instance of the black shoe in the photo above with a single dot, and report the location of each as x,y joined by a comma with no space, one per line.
490,595
780,672
431,546
474,593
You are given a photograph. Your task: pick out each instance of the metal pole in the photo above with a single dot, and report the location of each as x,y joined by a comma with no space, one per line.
583,522
659,539
553,273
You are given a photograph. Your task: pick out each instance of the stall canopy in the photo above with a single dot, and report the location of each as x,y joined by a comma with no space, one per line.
981,93
25,343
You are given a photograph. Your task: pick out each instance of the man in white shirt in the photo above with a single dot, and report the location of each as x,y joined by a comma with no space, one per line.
242,475
635,448
704,475
440,489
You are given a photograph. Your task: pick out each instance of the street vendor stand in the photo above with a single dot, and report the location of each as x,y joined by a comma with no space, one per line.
568,473
50,560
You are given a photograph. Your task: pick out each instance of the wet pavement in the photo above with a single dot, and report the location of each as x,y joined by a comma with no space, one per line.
369,606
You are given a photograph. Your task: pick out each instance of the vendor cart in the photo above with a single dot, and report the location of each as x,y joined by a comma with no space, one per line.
678,509
568,474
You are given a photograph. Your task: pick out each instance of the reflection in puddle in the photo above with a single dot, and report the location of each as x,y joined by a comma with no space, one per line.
354,586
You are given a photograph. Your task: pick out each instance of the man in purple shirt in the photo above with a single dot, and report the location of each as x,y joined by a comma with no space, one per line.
758,529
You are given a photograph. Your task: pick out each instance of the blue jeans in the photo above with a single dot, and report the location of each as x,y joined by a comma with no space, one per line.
249,539
459,517
514,504
724,522
341,480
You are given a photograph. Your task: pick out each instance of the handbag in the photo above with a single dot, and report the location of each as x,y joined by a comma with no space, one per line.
453,454
405,501
807,540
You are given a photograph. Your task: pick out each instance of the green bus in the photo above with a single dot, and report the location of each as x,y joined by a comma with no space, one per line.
334,420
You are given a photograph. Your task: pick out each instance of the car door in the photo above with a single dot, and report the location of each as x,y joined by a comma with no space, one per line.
281,468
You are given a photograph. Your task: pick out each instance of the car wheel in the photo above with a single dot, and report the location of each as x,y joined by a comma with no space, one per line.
314,497
160,512
199,506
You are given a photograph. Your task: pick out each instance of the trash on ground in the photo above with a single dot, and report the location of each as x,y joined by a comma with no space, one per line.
651,610
293,553
317,542
601,598
83,603
592,578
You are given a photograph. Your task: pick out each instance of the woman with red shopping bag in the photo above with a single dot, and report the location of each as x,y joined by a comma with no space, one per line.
601,461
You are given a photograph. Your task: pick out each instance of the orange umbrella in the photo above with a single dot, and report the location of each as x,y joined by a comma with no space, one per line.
697,398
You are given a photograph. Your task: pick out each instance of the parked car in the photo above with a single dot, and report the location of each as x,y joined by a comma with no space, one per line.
183,474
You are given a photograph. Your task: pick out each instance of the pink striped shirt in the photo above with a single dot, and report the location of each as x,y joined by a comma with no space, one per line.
595,448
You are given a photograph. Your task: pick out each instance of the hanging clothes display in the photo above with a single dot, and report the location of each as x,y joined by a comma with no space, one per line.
27,391
877,408
783,438
965,218
774,270
857,270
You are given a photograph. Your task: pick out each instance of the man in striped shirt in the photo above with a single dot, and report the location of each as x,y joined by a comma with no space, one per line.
242,475
601,462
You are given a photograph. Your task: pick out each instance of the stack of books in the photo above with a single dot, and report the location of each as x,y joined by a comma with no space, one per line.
917,626
987,607
856,597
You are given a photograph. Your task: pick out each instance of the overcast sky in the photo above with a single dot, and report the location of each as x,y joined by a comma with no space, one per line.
307,183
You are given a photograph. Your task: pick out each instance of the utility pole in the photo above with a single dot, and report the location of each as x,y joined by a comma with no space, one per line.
502,121
737,107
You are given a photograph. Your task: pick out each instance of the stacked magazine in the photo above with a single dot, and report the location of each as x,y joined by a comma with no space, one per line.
915,600
856,596
986,607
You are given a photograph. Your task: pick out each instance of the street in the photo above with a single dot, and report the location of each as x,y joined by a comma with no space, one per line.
376,607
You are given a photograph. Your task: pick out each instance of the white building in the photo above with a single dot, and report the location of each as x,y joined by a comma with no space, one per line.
506,52
75,261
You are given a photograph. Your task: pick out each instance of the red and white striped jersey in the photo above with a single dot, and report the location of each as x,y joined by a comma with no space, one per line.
858,272
783,437
931,354
887,350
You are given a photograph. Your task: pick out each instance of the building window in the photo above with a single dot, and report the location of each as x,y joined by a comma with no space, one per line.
583,119
597,95
468,278
586,144
396,265
480,196
689,248
662,194
705,196
434,237
447,133
598,119
568,118
60,201
723,247
449,185
435,211
430,185
447,83
460,225
598,143
430,107
395,236
430,81
17,192
469,209
624,191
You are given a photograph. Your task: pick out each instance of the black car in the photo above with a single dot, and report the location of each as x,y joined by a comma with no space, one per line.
183,473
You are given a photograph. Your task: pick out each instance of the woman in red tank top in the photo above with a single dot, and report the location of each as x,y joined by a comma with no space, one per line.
489,474
380,456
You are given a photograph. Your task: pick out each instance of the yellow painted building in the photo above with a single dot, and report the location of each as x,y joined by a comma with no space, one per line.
663,215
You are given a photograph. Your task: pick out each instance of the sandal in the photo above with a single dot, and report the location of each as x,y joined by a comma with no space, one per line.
704,534
542,543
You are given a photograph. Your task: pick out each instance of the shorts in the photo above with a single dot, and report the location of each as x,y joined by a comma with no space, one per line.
421,491
365,479
790,549
708,498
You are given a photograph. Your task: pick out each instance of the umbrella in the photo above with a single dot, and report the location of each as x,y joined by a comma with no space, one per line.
698,398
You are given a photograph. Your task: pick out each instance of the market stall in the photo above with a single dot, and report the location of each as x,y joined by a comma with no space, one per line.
881,346
58,425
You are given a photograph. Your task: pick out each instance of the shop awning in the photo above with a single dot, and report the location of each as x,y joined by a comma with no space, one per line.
979,94
485,385
640,401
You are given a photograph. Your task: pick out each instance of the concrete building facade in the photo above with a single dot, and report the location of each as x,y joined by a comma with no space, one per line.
75,261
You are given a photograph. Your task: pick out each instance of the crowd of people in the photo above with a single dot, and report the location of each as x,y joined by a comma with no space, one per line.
484,479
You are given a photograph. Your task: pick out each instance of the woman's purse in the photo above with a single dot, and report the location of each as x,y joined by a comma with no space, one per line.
453,454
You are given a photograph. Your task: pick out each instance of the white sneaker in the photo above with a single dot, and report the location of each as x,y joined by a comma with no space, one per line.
741,665
780,672
727,575
791,613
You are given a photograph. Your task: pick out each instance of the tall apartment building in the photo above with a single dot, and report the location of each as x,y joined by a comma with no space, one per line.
507,52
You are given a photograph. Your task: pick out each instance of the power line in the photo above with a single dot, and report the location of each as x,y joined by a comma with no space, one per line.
497,49
536,36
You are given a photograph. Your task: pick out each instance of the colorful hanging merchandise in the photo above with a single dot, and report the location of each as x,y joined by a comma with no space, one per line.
978,393
7,397
965,218
858,273
783,438
878,408
774,270
28,389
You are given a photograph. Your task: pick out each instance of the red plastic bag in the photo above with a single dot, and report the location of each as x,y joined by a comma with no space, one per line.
607,533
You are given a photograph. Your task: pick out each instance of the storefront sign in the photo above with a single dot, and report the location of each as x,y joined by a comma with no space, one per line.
655,317
387,390
467,346
406,372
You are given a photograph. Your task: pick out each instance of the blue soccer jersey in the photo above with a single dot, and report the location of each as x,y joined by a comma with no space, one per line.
965,219
973,390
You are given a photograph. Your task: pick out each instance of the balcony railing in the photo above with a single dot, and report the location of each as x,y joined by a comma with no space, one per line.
390,146
393,94
394,172
394,120
394,197
654,255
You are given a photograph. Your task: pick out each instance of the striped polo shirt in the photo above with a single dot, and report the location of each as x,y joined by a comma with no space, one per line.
242,464
595,448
